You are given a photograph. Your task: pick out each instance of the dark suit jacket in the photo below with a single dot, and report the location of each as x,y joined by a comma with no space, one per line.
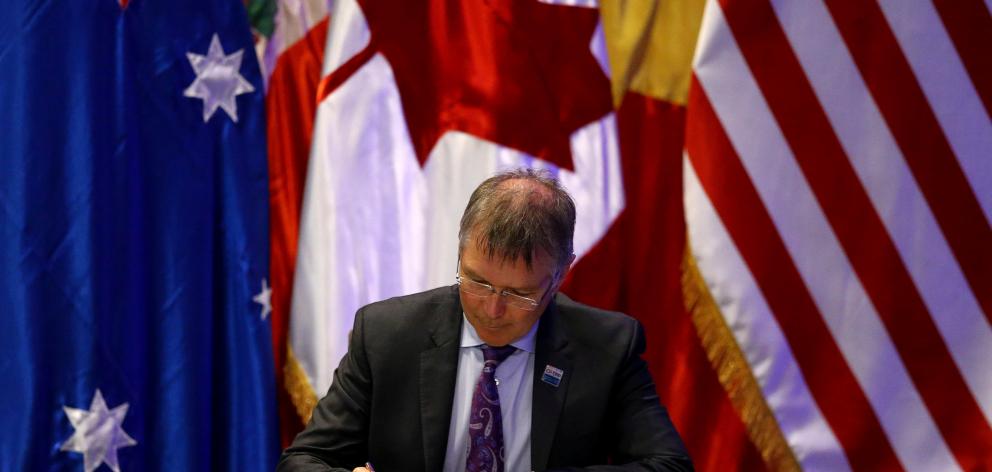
390,401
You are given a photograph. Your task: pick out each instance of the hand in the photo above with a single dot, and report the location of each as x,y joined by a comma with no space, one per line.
361,469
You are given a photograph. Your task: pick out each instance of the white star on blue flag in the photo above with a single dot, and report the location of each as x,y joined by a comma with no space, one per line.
218,80
264,298
98,433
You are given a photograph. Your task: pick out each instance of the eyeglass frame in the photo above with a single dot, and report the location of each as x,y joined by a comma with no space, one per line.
530,303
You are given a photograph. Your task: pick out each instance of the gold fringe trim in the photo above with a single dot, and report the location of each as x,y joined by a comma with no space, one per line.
298,387
733,370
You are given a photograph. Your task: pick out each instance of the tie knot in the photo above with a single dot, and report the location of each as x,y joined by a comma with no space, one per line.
497,354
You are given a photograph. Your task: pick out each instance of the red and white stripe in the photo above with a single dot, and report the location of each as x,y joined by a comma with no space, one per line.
837,196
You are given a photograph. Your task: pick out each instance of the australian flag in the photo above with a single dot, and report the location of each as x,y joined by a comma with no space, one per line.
134,331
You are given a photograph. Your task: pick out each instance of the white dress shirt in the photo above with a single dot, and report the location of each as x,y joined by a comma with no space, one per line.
515,382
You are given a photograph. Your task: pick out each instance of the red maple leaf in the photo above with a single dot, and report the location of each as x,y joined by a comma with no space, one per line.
515,72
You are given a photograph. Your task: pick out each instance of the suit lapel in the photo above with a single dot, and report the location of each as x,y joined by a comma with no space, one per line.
438,365
548,398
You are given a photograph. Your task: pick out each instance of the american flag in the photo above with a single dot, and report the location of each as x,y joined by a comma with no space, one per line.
838,194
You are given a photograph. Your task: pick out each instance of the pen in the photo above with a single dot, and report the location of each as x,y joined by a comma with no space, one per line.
368,465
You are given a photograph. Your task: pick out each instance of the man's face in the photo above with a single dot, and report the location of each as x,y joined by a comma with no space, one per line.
496,322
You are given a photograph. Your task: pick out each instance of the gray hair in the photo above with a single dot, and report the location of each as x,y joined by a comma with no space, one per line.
516,213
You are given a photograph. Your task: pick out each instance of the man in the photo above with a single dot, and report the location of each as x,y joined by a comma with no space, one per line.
499,372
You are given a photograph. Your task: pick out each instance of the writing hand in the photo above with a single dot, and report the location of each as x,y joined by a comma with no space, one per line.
368,468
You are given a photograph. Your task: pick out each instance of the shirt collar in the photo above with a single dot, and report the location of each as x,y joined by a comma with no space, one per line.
470,338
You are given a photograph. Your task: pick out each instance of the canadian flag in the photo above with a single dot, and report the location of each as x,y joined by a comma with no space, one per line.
411,119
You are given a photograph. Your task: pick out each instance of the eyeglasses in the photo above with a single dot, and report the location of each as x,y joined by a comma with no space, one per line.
481,290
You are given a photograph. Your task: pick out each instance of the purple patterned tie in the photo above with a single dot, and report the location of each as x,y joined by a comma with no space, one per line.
485,423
